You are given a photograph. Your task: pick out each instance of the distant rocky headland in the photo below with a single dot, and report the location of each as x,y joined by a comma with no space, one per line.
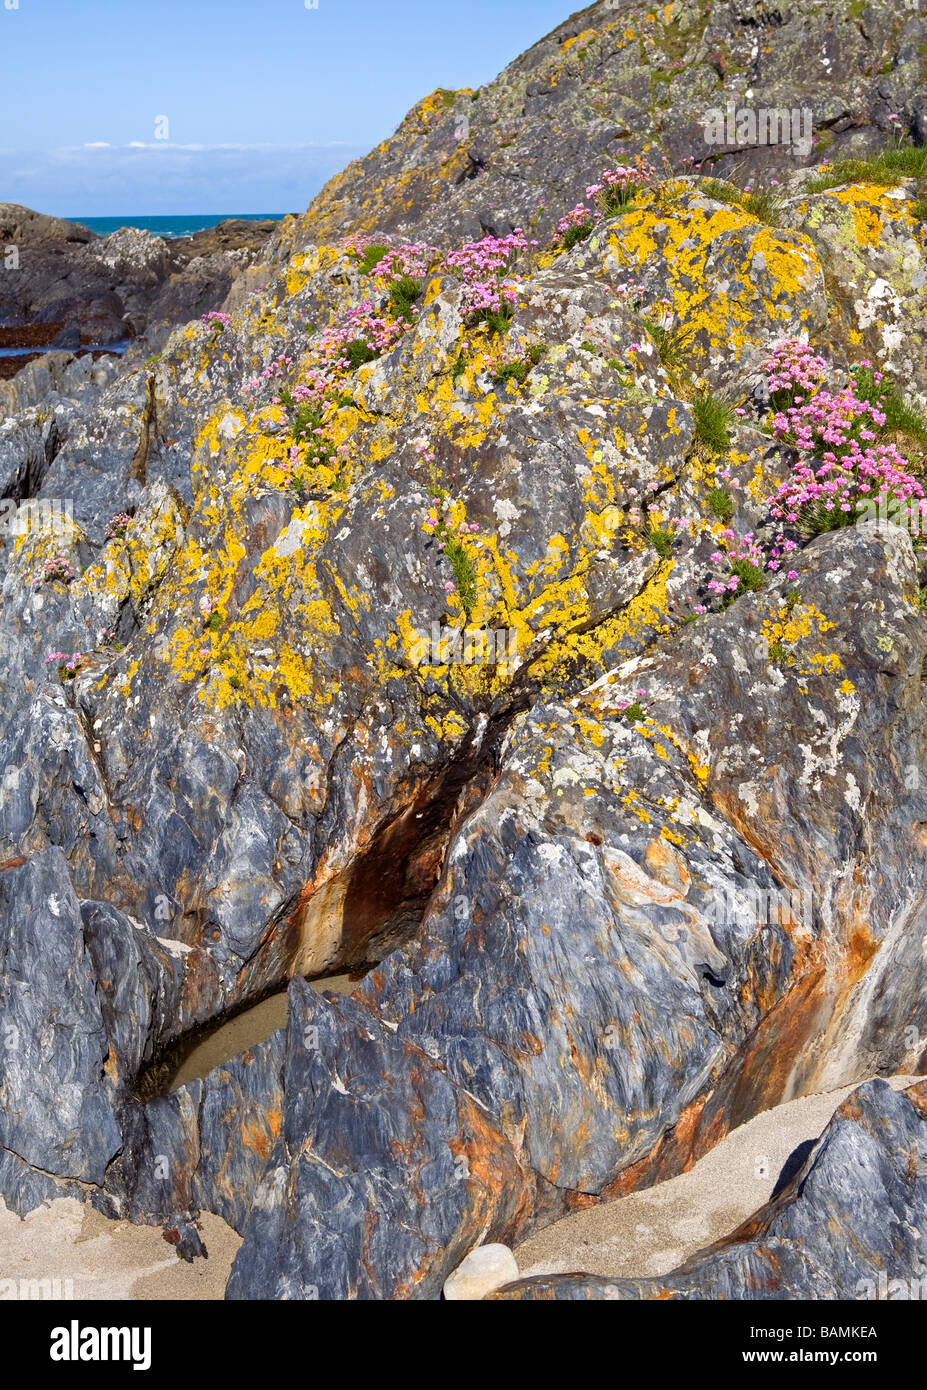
63,287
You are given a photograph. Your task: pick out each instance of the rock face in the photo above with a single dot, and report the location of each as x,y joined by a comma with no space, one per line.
516,152
850,1224
440,619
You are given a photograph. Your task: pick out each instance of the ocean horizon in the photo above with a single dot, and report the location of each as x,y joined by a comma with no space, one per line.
173,226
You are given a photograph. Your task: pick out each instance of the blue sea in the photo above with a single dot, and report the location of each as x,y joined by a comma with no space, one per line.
172,227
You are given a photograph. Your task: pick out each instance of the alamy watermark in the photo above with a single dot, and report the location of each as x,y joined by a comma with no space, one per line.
884,1289
908,514
469,646
24,1290
51,515
764,905
749,126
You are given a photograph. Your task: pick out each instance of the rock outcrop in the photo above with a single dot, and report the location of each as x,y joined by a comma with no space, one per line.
62,286
516,152
848,1225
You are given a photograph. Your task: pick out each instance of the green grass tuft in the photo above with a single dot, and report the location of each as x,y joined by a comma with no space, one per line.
574,235
721,504
751,579
766,204
518,371
671,343
371,258
713,421
403,292
496,320
464,572
662,541
358,353
887,168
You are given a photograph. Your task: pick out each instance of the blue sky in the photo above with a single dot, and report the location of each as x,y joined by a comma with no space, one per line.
264,99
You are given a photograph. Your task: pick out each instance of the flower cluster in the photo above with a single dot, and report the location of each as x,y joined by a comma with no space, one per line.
118,526
744,554
792,368
486,269
414,259
615,190
67,665
360,337
310,407
633,711
618,187
576,225
279,367
842,462
58,567
216,320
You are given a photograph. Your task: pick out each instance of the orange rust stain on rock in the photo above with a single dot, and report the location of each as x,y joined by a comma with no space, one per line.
16,863
760,1076
671,1155
861,947
667,865
917,1095
256,1138
581,1201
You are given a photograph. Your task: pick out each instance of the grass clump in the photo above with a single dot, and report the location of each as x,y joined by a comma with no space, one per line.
751,579
713,421
577,233
721,504
517,368
671,343
464,572
765,204
497,321
371,258
903,421
661,540
358,353
886,169
403,292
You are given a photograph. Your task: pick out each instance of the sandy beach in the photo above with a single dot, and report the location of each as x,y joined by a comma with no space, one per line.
646,1233
652,1231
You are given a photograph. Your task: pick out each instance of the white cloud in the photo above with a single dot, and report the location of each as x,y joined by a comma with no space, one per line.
99,179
